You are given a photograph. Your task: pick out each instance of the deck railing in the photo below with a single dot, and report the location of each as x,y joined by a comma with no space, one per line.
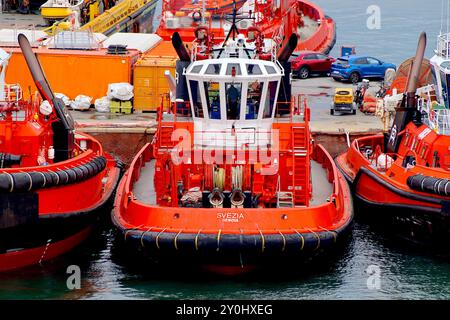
439,121
298,106
443,46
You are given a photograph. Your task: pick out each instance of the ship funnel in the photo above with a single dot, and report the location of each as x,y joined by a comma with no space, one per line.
287,50
179,47
216,198
237,198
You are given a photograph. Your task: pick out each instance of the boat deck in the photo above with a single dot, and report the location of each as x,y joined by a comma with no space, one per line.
321,187
309,28
144,190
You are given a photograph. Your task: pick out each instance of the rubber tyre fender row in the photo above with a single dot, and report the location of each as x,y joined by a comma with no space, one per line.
439,186
27,181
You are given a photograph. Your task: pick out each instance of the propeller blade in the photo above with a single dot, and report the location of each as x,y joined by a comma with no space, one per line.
35,68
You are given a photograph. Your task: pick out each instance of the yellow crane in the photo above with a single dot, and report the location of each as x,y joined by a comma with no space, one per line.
109,20
120,13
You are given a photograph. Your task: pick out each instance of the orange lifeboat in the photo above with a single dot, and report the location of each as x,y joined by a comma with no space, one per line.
232,180
53,180
403,179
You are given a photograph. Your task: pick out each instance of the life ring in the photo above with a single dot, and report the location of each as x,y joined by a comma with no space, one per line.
197,15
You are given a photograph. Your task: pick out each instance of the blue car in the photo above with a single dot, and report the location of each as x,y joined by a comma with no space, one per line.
354,68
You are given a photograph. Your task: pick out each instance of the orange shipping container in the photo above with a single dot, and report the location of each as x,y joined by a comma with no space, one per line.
150,84
74,72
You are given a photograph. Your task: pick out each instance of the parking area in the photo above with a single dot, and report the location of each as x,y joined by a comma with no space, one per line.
319,92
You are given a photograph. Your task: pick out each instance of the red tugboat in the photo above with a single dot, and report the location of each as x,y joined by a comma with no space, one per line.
53,180
232,180
276,19
402,179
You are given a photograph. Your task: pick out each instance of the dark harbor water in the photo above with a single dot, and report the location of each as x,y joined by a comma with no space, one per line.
106,273
403,274
400,23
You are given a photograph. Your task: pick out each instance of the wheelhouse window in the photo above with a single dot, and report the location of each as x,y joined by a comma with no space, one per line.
434,77
271,70
233,95
253,69
254,93
196,69
196,98
213,69
212,90
233,66
270,99
444,87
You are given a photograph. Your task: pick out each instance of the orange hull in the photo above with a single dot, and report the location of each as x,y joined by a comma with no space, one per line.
28,257
225,239
387,196
322,40
66,210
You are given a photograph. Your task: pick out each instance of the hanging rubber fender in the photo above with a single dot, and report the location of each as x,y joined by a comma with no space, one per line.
63,177
90,169
27,181
84,170
428,184
51,178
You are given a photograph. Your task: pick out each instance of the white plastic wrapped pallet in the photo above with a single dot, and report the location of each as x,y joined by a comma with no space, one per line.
81,102
64,98
102,104
121,91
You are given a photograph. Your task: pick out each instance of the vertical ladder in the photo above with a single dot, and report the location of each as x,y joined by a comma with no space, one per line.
284,199
165,137
301,166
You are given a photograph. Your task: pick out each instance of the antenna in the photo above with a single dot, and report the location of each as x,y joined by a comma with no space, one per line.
448,8
203,11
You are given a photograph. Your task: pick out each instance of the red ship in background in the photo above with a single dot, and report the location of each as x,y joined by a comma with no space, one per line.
276,20
402,179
